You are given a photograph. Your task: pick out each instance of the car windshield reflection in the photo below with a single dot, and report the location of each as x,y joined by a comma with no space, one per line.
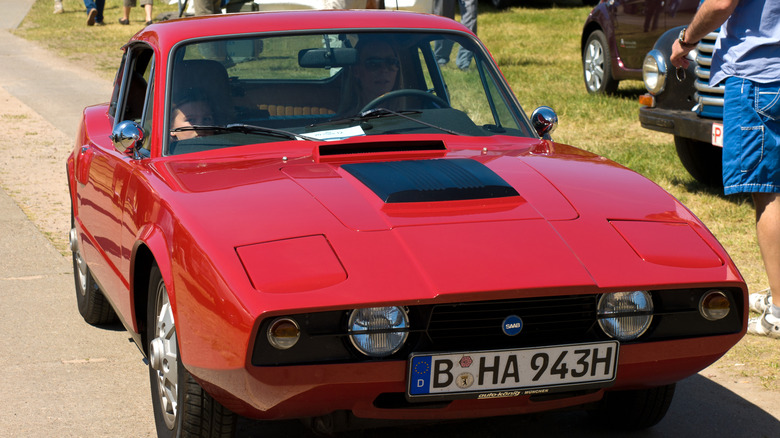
332,86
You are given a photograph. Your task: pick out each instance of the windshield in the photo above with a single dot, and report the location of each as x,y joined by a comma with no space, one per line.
328,87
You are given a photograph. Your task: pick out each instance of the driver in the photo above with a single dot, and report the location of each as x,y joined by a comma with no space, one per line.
376,72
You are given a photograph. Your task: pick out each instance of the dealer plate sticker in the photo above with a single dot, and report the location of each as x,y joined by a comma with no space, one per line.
501,373
717,134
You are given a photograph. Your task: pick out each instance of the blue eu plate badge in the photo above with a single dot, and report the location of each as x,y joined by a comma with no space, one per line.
421,375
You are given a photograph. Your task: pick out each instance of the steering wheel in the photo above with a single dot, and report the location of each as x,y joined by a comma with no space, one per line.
395,94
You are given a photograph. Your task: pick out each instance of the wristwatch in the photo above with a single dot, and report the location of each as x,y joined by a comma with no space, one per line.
681,39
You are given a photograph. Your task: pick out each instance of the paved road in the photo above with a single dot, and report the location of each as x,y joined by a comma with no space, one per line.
63,378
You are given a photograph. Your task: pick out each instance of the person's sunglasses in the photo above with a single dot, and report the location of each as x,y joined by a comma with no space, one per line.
374,64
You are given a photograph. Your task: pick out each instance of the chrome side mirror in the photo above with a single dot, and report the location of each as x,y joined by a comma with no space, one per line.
544,121
128,136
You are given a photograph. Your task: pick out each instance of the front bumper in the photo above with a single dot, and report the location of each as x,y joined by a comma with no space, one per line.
681,123
376,390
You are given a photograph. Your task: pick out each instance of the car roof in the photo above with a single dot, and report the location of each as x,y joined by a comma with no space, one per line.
168,33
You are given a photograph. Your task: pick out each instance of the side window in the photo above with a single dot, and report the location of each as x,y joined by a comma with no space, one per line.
112,109
135,103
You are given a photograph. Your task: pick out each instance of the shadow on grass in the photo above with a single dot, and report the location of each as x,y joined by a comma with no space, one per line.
693,186
487,5
629,93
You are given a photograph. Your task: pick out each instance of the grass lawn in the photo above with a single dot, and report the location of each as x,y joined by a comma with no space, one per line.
537,46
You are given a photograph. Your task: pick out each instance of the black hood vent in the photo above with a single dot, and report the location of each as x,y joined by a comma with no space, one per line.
431,180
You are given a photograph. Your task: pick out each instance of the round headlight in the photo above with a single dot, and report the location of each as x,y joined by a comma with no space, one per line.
714,305
654,72
625,316
378,331
283,333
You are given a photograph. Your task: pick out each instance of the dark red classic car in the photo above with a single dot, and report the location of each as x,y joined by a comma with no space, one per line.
618,34
303,215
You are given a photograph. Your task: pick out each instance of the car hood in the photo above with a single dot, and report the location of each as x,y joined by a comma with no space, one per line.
458,222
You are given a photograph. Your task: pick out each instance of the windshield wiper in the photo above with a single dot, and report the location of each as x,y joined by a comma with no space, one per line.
246,129
377,113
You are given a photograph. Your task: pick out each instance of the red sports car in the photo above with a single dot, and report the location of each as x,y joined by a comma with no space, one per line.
304,215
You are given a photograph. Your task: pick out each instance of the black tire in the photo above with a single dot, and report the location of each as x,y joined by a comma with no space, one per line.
597,65
702,160
634,410
181,407
93,305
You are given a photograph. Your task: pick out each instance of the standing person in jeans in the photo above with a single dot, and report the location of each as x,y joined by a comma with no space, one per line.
208,7
129,4
344,4
468,17
95,12
747,58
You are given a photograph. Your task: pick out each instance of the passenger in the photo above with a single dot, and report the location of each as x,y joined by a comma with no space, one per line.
190,112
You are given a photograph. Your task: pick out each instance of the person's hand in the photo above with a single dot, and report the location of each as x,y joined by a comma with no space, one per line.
679,54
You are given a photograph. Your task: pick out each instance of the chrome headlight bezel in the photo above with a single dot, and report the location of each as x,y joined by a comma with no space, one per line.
655,72
378,331
283,333
714,305
625,316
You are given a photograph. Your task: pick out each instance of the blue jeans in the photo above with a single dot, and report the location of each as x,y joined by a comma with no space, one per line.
96,4
468,18
751,137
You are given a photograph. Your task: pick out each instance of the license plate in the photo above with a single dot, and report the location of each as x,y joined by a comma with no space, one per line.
508,373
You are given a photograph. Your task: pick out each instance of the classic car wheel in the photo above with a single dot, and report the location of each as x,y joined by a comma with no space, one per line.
397,94
181,407
93,305
702,160
597,65
634,410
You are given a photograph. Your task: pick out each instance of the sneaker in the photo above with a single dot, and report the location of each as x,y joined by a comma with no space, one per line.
766,325
100,23
91,17
760,301
124,21
58,9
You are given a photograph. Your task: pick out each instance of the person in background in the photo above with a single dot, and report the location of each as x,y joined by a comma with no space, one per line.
208,7
747,58
345,4
58,9
129,4
95,12
468,17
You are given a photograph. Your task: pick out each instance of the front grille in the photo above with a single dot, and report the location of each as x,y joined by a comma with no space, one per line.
549,320
710,99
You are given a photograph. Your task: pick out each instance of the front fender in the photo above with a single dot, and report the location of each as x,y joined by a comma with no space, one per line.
151,247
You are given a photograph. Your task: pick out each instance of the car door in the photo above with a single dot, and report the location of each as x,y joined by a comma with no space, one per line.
638,23
105,174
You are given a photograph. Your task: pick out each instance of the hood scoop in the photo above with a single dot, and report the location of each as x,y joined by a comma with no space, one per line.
401,149
430,180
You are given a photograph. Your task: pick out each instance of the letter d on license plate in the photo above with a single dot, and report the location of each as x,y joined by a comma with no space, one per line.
512,372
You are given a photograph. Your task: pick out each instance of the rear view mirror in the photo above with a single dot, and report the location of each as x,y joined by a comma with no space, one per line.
327,58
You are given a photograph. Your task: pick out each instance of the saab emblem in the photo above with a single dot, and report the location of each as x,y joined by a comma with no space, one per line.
512,325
